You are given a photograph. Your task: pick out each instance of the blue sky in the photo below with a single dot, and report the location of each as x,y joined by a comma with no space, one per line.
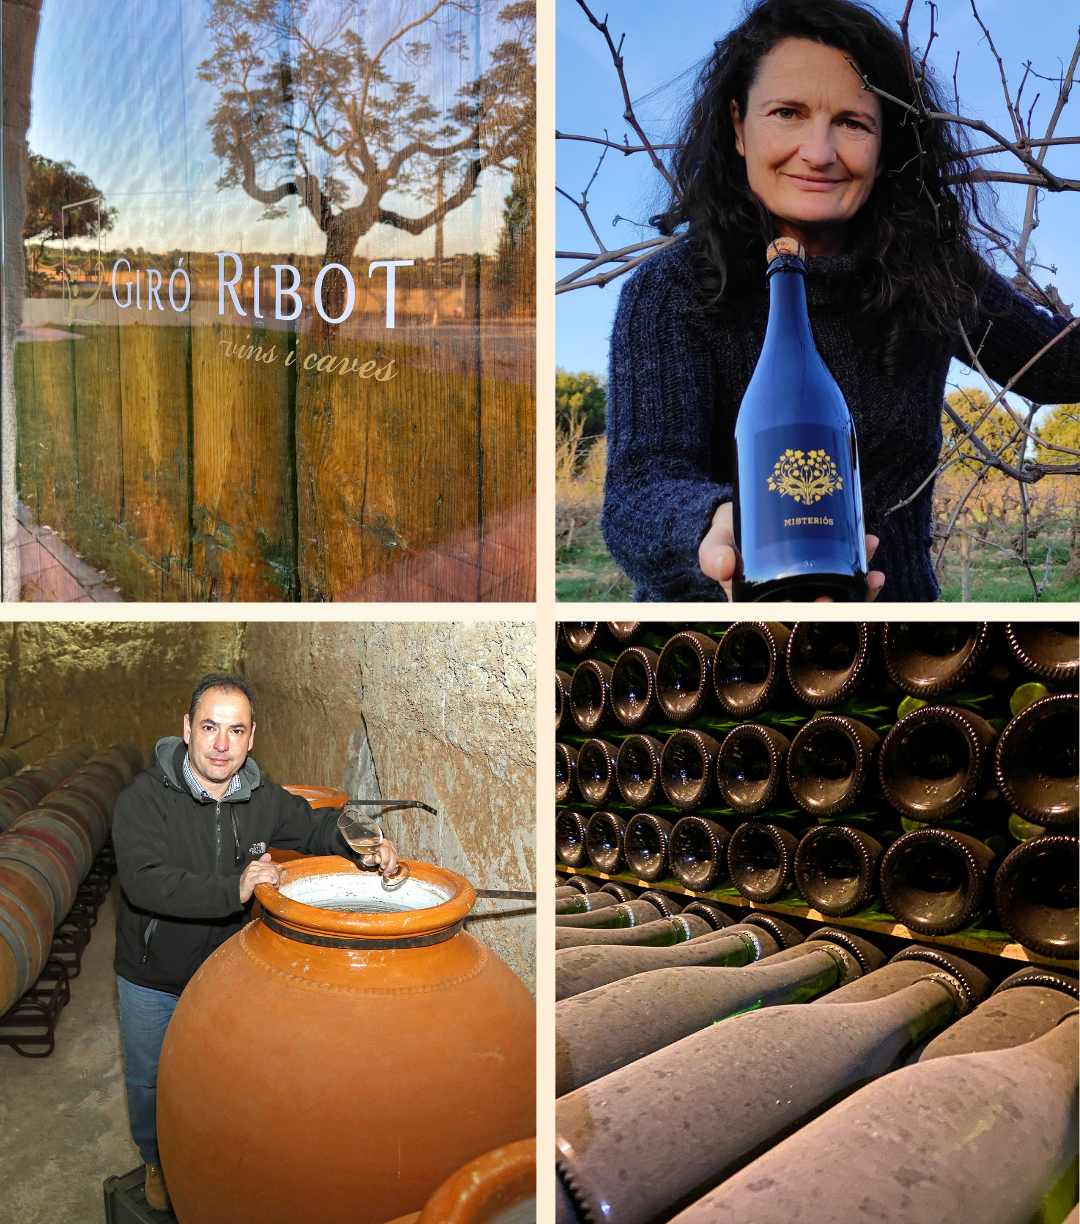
663,48
115,91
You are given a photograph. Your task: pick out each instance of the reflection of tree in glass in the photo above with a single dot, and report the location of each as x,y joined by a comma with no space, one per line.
49,186
309,107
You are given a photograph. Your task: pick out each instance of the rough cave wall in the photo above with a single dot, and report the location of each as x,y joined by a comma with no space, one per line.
441,712
105,682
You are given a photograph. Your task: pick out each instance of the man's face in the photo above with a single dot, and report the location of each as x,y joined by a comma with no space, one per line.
221,736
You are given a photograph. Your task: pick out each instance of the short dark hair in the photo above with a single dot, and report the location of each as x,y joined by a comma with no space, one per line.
231,684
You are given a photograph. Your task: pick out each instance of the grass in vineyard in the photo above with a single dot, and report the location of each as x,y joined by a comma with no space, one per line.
585,572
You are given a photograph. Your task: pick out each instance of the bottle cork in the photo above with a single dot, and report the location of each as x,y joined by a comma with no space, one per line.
785,246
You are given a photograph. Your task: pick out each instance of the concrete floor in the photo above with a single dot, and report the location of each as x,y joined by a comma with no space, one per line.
63,1119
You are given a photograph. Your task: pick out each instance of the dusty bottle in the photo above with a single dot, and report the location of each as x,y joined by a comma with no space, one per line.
619,890
664,901
604,842
565,772
651,634
796,496
936,881
623,1140
684,676
982,1137
934,762
563,719
582,883
831,765
750,769
750,671
1036,761
688,769
660,933
580,969
589,639
697,853
633,687
596,772
1023,1008
761,861
612,1026
590,696
1035,890
570,846
1049,651
928,659
836,869
830,661
584,903
711,912
624,914
646,846
637,770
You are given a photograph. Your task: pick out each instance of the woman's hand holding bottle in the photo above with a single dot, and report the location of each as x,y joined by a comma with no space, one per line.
718,557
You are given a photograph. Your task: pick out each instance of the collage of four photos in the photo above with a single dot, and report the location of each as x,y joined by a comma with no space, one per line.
282,283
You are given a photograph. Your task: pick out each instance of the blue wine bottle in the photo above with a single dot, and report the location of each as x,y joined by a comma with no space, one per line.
797,509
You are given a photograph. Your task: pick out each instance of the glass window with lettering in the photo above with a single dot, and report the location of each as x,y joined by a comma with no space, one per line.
269,331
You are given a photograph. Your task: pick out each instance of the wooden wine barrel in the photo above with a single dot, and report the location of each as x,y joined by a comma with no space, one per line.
108,771
80,829
26,929
82,810
12,804
10,762
29,783
51,856
318,797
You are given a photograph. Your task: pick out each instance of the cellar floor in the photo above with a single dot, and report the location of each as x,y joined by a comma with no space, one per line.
63,1119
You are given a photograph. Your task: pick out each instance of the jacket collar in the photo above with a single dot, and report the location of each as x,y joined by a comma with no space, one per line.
169,754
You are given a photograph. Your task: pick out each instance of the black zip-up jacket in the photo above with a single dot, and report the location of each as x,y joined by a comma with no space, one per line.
179,861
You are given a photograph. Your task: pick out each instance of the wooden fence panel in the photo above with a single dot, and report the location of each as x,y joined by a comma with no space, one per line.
155,382
244,498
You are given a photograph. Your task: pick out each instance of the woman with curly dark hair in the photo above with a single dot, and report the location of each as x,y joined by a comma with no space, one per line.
783,139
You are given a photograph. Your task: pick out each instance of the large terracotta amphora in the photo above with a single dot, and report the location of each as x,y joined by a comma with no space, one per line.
318,797
327,1065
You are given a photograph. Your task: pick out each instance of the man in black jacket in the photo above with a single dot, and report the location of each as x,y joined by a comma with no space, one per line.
191,834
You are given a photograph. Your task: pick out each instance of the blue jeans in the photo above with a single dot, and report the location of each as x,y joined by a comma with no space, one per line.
144,1017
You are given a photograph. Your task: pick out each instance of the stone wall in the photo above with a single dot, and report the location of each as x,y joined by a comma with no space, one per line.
105,682
441,712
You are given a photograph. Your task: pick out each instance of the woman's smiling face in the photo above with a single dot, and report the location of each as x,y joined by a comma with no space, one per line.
811,139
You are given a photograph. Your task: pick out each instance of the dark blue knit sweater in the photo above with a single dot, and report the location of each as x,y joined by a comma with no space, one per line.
678,375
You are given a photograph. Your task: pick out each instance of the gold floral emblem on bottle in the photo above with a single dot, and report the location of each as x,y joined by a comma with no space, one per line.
806,476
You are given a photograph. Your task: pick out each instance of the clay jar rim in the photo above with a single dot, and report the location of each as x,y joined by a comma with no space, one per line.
764,792
1057,673
1006,748
958,720
855,781
403,924
320,796
801,675
954,672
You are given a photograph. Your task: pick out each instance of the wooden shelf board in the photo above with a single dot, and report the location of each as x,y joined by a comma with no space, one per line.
1005,948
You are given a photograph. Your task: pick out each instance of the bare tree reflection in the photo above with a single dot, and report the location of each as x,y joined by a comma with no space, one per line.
328,102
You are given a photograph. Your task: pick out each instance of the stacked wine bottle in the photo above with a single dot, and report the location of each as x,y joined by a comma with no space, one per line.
917,773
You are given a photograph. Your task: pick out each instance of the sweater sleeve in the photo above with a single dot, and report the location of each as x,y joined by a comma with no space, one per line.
1012,330
661,490
138,833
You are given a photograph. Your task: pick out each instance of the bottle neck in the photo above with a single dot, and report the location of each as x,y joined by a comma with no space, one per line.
787,308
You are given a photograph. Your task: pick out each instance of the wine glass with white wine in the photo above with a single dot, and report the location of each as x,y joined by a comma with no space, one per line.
364,835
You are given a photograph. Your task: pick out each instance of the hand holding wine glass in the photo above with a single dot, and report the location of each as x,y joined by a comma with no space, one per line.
364,834
718,556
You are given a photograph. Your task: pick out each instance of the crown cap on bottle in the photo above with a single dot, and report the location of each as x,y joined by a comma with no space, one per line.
785,246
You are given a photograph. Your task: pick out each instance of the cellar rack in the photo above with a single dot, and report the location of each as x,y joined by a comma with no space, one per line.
797,908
